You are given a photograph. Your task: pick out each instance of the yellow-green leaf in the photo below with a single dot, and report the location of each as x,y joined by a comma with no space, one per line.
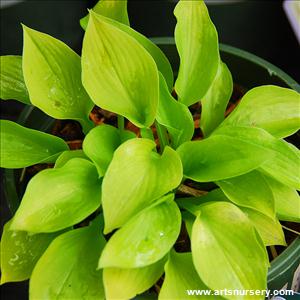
22,147
58,198
145,239
135,178
273,108
127,283
227,253
124,82
20,251
12,85
113,9
52,74
197,43
68,268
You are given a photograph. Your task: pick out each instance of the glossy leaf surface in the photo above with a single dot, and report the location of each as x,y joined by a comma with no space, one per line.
181,276
101,142
284,160
159,57
272,108
127,283
11,78
68,268
135,178
57,198
197,43
22,147
67,155
174,115
113,9
268,228
20,252
221,156
123,82
214,102
145,239
250,190
287,201
218,248
52,75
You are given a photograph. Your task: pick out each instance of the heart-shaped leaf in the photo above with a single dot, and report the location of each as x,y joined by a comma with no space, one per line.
284,161
181,279
197,43
272,108
101,142
250,190
52,74
218,248
127,283
22,147
67,270
12,85
58,198
221,156
214,102
174,115
124,82
269,229
135,178
145,239
113,9
287,201
20,252
67,155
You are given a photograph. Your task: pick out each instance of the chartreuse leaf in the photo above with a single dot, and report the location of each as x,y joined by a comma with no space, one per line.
218,248
181,276
113,9
135,178
287,201
272,108
268,228
215,101
22,147
144,239
124,82
20,252
101,142
67,155
284,161
68,268
221,156
52,74
159,57
12,85
174,115
57,198
197,43
127,283
250,190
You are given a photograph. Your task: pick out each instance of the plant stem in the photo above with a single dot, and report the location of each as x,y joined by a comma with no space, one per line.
86,125
162,136
291,230
147,133
273,252
191,191
121,122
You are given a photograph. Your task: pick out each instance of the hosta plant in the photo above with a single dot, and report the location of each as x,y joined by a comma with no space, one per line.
106,221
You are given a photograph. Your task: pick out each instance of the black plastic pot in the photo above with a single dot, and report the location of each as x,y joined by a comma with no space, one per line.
248,71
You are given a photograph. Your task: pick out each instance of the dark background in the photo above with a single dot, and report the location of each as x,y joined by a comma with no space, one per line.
260,27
